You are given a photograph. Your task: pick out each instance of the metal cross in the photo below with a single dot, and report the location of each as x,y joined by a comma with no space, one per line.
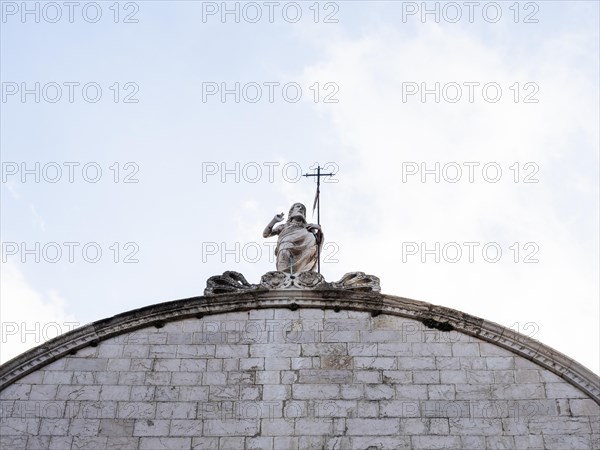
317,203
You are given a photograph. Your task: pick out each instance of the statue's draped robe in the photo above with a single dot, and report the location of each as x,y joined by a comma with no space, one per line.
297,240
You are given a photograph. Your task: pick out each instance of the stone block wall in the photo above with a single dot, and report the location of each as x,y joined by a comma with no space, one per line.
305,379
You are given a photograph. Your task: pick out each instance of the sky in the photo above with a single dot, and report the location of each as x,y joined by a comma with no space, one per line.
145,146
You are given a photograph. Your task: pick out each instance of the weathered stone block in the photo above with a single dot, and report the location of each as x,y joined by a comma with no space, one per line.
132,378
176,410
432,349
231,443
315,391
11,441
231,428
166,443
231,351
193,351
435,442
379,392
252,364
475,426
527,376
385,363
578,407
88,443
250,392
107,378
322,376
43,392
367,376
416,363
110,350
136,410
472,363
370,427
268,377
500,362
473,442
116,427
75,392
158,378
277,363
441,392
411,392
426,377
205,443
54,427
151,427
119,443
259,443
131,351
84,427
276,392
112,392
213,378
142,393
352,391
275,350
380,442
561,425
116,364
518,391
571,442
186,427
37,442
223,393
474,392
447,363
50,377
368,409
453,376
465,349
286,442
399,408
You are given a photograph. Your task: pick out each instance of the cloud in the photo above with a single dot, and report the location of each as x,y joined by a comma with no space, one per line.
377,213
28,317
12,188
38,220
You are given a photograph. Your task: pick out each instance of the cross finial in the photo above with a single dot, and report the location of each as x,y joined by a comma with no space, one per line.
317,204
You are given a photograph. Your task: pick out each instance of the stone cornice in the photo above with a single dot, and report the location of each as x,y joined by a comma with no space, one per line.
432,316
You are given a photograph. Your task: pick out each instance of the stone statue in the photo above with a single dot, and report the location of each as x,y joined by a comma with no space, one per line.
297,239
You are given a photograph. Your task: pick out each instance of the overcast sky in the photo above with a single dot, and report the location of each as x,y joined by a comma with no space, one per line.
166,135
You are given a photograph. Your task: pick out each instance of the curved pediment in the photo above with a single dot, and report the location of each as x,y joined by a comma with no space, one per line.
352,297
296,363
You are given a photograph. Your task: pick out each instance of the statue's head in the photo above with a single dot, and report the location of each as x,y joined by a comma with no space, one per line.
297,210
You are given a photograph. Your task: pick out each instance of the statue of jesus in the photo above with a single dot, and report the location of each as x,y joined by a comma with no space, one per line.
298,239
